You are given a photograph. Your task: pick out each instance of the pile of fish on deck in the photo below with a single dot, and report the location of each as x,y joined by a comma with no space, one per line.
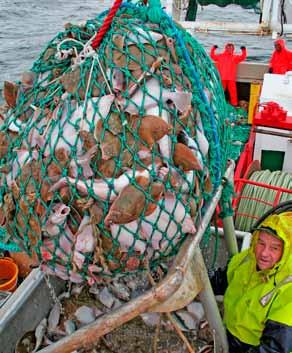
102,153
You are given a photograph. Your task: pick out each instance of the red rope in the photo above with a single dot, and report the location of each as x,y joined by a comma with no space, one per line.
106,24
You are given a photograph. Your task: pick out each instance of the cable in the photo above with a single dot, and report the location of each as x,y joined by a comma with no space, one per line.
283,17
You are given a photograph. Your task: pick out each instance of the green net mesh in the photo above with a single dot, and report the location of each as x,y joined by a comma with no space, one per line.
107,156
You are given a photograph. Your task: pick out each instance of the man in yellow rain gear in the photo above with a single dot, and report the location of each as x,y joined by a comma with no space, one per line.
258,298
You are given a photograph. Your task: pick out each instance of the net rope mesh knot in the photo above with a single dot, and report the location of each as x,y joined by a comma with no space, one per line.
107,161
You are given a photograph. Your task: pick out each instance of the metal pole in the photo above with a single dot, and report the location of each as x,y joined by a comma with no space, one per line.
229,230
266,13
229,235
211,309
217,26
275,18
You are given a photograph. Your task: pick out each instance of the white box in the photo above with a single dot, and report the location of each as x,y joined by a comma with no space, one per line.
278,88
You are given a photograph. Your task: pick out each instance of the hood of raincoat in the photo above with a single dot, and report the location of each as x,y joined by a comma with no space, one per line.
244,315
281,227
281,43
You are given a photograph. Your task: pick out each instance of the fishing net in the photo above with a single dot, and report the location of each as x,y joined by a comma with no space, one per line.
108,155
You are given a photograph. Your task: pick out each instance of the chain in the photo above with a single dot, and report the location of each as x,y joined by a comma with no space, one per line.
53,294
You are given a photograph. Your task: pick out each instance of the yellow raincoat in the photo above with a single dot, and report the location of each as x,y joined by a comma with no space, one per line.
254,297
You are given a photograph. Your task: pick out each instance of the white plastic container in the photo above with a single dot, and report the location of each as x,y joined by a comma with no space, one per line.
278,88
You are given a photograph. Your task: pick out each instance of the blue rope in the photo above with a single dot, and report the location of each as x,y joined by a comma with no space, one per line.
204,98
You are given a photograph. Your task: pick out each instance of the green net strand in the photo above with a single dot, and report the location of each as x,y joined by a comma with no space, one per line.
5,244
226,200
108,157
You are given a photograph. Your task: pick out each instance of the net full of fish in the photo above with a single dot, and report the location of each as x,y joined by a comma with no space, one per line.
104,154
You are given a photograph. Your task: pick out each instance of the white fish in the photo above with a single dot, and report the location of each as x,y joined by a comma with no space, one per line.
167,216
73,119
116,77
125,235
105,189
183,183
141,98
54,317
200,136
23,156
83,161
165,142
56,219
63,250
75,277
39,334
142,36
85,241
35,126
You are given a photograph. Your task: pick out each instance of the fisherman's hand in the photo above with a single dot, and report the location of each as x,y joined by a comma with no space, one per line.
215,46
242,47
270,70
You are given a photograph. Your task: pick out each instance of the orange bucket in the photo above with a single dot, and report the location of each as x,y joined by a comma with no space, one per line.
8,274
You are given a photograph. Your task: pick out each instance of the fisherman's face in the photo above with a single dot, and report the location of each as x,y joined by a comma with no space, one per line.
229,48
268,250
278,47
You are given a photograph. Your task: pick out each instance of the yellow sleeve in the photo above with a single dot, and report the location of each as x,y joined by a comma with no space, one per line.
281,308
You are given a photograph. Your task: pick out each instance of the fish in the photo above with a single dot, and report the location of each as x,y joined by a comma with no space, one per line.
152,128
164,142
117,79
170,218
129,204
184,138
106,189
39,334
10,90
61,248
141,98
140,75
126,235
83,162
56,219
23,157
184,158
171,46
138,36
200,136
54,317
110,144
85,241
28,79
85,120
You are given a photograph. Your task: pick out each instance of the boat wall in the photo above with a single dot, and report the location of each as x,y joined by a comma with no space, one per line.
23,311
251,71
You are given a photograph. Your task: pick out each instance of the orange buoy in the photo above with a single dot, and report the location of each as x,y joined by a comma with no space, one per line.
8,274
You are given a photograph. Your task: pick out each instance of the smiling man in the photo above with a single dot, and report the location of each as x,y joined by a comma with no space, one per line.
257,288
258,298
268,249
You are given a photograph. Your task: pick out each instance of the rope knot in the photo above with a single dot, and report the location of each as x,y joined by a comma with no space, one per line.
154,12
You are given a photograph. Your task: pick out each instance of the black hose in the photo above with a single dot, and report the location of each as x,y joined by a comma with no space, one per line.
282,207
